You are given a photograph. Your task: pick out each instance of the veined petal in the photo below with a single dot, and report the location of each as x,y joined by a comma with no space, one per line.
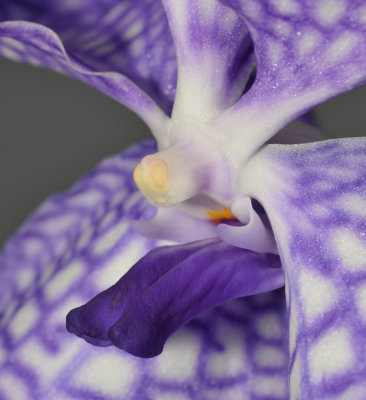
306,53
315,197
168,288
130,38
75,245
214,54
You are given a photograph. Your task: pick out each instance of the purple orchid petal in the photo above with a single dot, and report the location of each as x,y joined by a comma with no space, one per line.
55,262
306,53
128,44
93,321
315,197
214,59
168,288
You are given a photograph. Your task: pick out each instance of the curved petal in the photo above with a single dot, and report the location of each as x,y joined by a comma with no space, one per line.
315,197
131,39
168,288
306,53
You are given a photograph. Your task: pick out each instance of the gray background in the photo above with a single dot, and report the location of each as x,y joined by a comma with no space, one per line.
55,129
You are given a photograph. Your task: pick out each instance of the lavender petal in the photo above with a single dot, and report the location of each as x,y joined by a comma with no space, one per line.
131,39
306,53
315,197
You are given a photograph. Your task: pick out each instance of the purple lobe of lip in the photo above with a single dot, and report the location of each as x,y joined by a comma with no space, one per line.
166,289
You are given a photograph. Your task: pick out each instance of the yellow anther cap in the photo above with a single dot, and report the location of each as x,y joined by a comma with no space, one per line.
159,175
151,177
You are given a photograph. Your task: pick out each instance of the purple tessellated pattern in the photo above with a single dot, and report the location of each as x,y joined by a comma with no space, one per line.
315,196
306,53
302,46
78,243
129,38
36,44
67,224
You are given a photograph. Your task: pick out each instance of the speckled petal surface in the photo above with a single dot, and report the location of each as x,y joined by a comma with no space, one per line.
131,39
77,244
306,53
315,197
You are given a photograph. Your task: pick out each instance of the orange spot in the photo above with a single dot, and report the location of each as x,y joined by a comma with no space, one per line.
218,216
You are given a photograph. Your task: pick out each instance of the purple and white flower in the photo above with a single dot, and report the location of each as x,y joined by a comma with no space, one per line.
264,218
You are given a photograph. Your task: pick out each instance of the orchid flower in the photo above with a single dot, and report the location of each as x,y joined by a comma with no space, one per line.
265,220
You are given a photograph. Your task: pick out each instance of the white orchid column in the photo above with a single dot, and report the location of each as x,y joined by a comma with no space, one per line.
214,63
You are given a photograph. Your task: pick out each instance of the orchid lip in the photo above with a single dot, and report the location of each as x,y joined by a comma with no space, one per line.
138,315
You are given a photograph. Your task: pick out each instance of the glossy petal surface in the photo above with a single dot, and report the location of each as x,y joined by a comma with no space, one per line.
77,244
94,320
315,197
167,288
